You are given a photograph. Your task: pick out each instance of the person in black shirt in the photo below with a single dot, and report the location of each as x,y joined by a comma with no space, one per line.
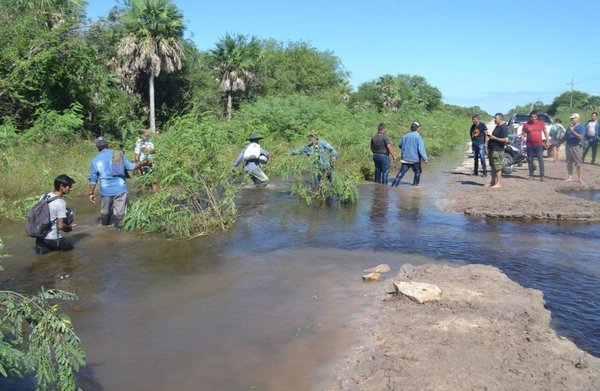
496,142
382,149
478,135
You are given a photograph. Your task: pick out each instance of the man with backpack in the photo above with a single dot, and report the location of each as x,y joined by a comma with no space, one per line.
110,169
253,155
557,134
50,216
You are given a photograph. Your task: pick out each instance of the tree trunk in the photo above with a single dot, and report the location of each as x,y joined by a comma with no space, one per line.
229,104
151,97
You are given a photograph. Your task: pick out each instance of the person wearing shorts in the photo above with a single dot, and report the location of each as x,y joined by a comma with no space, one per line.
574,151
496,142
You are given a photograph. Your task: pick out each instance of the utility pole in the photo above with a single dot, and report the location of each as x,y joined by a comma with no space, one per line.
572,83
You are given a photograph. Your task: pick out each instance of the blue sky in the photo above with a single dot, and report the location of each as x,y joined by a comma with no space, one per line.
495,55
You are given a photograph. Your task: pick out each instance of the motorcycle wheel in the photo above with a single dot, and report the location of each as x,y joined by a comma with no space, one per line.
507,163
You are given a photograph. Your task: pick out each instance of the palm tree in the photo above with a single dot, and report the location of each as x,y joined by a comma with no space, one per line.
234,62
388,93
153,44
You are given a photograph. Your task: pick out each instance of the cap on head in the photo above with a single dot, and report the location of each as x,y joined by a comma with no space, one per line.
414,126
101,143
254,137
575,115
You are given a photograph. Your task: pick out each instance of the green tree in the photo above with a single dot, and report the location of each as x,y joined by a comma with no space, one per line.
43,65
234,62
299,68
35,338
154,43
569,100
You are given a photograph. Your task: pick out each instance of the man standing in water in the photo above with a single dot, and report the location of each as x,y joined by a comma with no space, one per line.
60,218
478,135
413,151
496,142
573,150
109,167
323,155
252,155
382,149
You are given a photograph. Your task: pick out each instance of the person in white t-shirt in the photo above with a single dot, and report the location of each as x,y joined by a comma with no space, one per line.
592,133
59,217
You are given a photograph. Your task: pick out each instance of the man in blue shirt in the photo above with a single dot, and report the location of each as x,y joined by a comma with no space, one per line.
413,151
109,168
574,151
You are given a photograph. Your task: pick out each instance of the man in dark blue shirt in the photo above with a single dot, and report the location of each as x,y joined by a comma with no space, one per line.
478,135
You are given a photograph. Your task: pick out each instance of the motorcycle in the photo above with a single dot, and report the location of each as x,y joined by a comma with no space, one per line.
513,155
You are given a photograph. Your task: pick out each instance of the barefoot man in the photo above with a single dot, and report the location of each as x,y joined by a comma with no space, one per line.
496,142
574,151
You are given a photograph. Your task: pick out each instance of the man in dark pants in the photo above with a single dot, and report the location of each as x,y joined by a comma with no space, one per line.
413,151
478,135
382,149
533,130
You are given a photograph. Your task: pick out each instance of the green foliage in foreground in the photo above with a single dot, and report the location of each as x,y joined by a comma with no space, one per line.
35,338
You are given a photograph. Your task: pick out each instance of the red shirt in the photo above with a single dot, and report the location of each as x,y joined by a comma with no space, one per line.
534,131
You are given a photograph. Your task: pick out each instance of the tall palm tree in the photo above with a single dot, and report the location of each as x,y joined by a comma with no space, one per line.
234,63
154,43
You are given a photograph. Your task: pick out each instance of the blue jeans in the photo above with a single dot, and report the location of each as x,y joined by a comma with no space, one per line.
382,167
535,152
593,144
416,167
479,156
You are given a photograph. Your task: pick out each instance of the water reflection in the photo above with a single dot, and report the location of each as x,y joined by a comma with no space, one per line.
268,303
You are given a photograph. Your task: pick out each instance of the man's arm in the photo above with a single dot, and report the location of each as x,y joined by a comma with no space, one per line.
390,149
239,158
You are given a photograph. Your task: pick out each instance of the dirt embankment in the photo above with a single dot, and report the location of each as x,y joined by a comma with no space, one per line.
522,198
486,333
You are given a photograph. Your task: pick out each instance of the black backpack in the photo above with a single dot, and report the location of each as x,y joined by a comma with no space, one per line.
38,224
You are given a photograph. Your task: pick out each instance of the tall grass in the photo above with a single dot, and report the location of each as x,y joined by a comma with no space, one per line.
28,169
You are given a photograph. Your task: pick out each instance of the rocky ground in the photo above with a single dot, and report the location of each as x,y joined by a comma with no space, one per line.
521,198
486,332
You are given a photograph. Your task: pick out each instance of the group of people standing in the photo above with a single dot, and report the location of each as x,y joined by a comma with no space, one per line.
578,139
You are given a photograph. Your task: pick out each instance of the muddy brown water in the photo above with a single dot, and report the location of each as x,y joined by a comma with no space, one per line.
271,303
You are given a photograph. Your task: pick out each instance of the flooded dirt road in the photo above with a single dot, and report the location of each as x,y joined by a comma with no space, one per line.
267,305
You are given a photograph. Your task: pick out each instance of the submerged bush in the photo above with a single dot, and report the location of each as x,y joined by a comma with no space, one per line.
195,193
